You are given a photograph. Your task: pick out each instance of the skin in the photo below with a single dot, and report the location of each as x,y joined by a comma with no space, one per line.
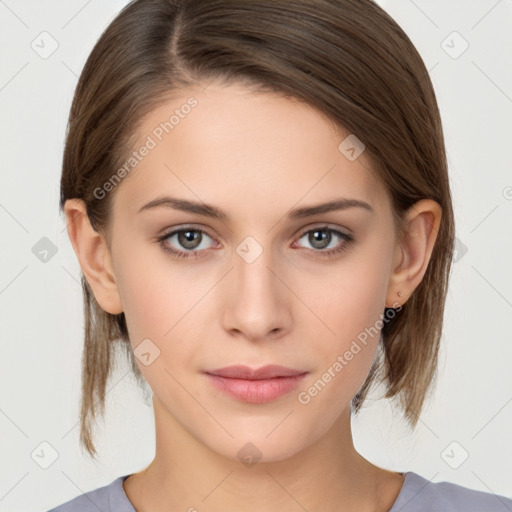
255,156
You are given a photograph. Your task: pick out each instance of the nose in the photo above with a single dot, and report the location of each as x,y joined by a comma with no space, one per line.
258,302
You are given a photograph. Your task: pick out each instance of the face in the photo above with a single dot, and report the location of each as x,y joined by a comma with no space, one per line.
259,285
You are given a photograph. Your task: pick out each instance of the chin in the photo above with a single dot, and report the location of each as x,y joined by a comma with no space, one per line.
258,446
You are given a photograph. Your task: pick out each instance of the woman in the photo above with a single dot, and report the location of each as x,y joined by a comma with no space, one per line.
258,196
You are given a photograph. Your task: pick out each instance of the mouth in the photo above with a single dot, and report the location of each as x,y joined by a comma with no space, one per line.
259,385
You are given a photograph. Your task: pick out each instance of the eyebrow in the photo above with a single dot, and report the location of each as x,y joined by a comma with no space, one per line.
216,213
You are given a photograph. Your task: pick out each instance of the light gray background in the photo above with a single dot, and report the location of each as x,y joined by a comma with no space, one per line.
41,318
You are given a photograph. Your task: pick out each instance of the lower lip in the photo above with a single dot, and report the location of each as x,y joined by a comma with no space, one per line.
256,391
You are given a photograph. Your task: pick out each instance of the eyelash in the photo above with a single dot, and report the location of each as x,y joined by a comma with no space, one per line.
348,239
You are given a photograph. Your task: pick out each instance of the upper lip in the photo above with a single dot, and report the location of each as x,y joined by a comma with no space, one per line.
264,372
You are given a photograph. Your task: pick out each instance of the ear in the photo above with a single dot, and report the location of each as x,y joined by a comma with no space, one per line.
413,255
94,256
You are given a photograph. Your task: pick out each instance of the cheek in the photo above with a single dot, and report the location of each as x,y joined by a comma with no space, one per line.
354,312
155,299
351,308
157,306
349,299
165,304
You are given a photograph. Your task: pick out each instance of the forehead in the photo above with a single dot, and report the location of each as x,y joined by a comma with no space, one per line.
228,145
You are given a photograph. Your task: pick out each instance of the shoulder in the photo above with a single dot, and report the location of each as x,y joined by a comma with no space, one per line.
108,498
419,494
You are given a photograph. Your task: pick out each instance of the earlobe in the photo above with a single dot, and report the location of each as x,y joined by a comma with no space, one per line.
93,255
422,226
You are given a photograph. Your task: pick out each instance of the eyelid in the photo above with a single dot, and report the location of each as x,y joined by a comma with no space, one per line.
324,255
297,234
324,225
183,227
345,237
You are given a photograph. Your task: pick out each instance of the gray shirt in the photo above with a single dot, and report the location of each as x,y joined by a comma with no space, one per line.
417,495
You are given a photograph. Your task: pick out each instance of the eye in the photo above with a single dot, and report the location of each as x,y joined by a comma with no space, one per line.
323,236
189,239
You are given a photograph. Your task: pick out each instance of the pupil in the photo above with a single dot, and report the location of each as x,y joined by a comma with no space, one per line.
188,239
323,237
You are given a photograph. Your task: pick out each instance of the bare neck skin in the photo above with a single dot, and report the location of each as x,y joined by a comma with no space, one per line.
329,475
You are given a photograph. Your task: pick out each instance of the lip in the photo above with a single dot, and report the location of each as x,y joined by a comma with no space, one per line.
268,371
257,385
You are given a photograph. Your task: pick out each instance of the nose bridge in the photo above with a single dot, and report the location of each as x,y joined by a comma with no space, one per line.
257,305
253,262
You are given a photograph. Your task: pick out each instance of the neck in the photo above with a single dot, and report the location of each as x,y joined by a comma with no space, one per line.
328,475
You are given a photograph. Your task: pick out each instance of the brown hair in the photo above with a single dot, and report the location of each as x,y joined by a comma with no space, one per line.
347,58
